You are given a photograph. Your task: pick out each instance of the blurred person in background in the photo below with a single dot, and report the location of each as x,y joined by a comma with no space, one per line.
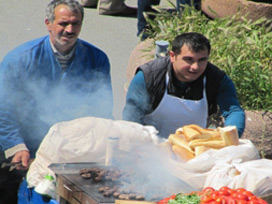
182,89
111,7
146,6
47,80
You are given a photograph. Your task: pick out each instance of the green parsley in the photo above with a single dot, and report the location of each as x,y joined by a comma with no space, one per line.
185,199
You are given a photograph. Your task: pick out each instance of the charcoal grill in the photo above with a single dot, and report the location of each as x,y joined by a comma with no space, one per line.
74,189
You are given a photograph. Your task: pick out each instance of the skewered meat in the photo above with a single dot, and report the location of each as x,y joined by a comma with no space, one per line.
100,174
117,180
83,171
123,196
116,194
103,189
140,197
86,175
108,193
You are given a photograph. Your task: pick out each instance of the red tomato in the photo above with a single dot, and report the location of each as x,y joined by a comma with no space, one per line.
224,188
223,192
234,195
231,200
206,199
213,202
221,200
214,195
253,202
240,190
173,196
248,193
208,190
241,202
231,191
241,196
252,197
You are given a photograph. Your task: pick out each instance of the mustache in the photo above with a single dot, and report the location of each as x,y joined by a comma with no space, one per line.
67,34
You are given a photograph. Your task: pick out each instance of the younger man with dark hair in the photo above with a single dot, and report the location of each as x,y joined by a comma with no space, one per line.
184,88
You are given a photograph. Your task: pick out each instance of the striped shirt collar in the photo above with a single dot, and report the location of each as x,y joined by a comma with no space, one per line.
57,53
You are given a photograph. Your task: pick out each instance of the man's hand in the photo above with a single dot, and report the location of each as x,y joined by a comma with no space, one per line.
24,158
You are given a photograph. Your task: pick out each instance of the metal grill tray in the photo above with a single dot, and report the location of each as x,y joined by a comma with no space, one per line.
70,171
73,168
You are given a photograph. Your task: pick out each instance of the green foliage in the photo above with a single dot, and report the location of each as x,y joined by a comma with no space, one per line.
240,47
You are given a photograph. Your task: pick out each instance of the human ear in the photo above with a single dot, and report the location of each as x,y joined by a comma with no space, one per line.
47,23
172,56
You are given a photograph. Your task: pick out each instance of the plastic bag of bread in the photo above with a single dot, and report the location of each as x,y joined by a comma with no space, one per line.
196,151
195,171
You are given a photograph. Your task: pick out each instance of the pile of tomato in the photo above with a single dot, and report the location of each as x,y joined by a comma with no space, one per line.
224,195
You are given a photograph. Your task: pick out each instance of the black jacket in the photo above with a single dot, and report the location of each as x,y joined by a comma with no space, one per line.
155,72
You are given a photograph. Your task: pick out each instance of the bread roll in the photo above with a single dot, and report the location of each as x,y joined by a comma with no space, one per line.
209,143
179,131
182,152
213,132
179,140
190,132
229,135
200,149
193,132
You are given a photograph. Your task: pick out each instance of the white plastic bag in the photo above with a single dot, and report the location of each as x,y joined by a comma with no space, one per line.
255,176
197,170
84,140
245,151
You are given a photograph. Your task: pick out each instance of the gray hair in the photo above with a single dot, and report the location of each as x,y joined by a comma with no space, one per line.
72,4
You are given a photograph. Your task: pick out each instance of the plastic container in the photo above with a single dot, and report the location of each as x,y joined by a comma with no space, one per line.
47,186
112,151
161,49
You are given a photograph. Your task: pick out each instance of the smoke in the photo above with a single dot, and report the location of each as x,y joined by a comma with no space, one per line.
62,104
149,174
37,104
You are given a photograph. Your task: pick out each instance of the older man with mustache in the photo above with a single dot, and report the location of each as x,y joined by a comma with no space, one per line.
54,78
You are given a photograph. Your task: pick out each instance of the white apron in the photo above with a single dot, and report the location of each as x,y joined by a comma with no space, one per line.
173,113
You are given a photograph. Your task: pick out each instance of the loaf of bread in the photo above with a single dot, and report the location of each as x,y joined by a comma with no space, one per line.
183,152
191,140
229,135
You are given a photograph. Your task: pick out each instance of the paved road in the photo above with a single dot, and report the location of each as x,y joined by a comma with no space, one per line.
23,20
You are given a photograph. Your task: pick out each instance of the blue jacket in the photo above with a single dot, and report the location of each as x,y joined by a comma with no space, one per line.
35,92
148,86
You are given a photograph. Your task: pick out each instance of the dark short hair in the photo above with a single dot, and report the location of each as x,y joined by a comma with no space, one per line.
195,41
72,4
